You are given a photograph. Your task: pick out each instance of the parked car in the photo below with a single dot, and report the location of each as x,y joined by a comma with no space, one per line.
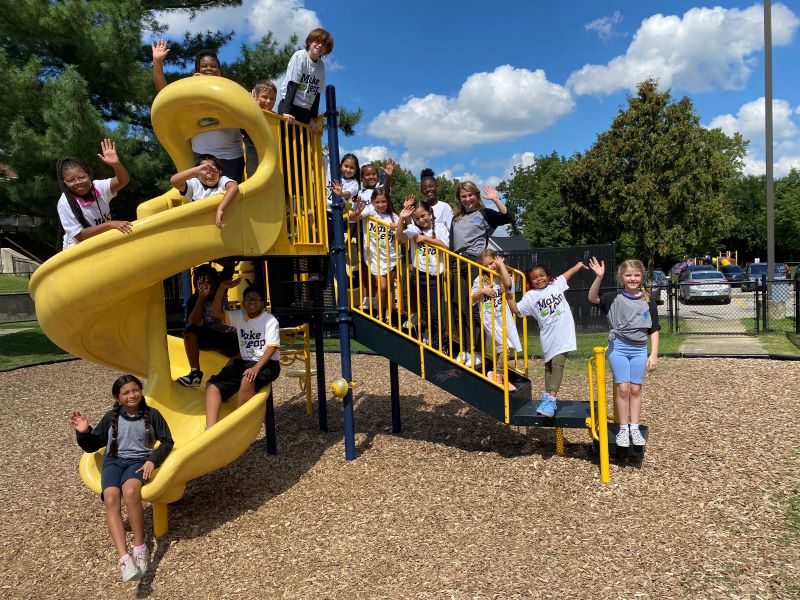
658,284
709,286
734,274
755,271
694,269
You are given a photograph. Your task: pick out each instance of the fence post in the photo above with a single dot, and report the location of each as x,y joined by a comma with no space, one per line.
797,303
764,300
670,312
757,305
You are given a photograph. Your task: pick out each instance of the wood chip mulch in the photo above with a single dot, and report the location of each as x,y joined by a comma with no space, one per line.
456,506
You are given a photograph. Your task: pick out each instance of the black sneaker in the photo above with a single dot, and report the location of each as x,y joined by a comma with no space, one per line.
193,379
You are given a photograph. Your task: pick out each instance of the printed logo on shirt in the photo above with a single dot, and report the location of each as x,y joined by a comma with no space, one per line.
308,84
549,306
251,340
382,233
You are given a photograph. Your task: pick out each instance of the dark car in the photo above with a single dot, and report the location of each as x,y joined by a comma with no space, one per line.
734,274
755,271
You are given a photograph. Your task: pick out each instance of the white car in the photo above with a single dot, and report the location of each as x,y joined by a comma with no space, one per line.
710,286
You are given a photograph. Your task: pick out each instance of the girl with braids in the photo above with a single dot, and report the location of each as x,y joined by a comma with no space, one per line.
83,206
129,432
426,233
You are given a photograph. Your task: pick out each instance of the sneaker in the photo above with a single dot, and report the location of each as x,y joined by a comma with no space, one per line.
637,438
473,361
546,406
624,437
128,569
193,379
141,560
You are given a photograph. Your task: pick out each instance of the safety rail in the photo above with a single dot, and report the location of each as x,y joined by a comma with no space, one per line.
597,421
432,306
300,147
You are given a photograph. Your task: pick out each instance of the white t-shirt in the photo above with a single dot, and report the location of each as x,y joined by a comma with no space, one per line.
255,335
425,256
309,77
551,310
378,237
443,213
95,212
220,143
491,315
348,185
195,190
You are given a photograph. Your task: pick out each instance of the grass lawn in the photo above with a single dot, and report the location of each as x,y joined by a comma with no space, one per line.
13,284
780,337
27,348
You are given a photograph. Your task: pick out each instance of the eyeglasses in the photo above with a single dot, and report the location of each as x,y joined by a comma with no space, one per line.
76,179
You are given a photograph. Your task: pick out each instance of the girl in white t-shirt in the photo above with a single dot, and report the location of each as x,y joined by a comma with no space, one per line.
428,238
83,207
371,178
204,180
380,248
546,302
487,290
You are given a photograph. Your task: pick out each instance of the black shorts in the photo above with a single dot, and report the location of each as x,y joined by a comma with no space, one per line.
228,380
218,341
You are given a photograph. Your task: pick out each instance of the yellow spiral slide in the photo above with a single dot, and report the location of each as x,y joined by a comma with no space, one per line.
103,299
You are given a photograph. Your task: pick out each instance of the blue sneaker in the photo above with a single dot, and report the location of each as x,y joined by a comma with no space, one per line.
547,406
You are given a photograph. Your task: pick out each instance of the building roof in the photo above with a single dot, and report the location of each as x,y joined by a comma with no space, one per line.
509,244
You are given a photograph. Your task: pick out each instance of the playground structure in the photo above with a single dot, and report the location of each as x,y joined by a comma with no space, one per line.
103,299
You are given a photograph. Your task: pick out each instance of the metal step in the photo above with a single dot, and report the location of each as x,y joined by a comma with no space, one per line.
571,414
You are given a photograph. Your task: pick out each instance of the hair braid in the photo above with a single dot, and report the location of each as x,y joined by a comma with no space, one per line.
151,438
112,447
69,163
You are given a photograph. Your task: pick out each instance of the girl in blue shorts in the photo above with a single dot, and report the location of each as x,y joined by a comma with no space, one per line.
129,432
632,317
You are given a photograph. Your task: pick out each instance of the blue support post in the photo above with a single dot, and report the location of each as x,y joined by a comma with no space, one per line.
339,269
394,380
322,397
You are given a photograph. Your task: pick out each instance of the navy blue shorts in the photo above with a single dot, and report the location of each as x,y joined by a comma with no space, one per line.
117,471
229,378
218,341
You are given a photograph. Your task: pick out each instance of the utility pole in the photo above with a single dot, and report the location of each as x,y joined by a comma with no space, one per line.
768,140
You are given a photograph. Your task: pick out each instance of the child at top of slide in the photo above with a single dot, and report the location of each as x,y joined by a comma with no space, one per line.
305,79
264,93
129,432
204,180
83,207
546,302
225,144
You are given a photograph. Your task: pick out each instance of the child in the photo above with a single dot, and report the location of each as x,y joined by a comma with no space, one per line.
632,316
225,144
370,179
486,290
264,93
305,78
426,234
259,339
430,189
203,331
546,302
129,432
380,251
350,175
83,206
204,180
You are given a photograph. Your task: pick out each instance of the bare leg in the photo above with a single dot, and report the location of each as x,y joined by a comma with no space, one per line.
635,402
623,402
213,404
132,492
246,391
192,346
111,500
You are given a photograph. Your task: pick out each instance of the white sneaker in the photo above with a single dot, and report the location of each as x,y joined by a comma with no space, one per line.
142,560
637,438
473,361
128,569
624,438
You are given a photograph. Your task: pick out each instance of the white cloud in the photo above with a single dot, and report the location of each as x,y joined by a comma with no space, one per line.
367,154
521,159
604,26
253,18
705,50
490,107
750,122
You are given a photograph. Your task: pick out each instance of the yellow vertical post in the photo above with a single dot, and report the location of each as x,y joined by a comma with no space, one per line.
559,441
160,519
602,418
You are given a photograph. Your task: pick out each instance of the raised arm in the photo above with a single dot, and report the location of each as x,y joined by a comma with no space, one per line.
405,218
579,266
491,194
599,269
505,277
108,154
231,190
222,293
160,51
178,181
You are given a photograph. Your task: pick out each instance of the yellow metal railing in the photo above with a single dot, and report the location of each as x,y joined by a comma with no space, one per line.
401,301
597,422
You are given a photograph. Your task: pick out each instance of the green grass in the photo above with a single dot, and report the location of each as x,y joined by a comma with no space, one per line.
13,284
780,339
27,348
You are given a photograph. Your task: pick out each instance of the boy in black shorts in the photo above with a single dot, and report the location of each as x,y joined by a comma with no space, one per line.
259,339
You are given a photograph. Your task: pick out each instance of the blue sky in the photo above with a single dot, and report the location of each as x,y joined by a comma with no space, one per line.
473,88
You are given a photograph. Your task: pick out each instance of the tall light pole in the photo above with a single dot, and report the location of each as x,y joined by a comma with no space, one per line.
768,140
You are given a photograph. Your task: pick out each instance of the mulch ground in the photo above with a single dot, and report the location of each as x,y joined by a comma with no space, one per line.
457,506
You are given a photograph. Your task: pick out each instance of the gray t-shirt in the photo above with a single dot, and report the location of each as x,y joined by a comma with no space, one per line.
470,233
630,319
132,437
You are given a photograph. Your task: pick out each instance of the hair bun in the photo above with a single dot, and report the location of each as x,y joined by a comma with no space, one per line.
426,172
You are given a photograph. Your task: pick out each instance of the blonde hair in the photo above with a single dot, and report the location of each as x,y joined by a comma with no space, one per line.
487,253
633,265
458,210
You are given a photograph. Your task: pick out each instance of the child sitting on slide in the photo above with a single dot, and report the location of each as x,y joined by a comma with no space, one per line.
259,339
204,180
203,331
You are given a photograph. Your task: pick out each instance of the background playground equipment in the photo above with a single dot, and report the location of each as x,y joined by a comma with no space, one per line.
103,299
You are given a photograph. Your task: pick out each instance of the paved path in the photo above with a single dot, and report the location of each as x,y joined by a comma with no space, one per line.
721,344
